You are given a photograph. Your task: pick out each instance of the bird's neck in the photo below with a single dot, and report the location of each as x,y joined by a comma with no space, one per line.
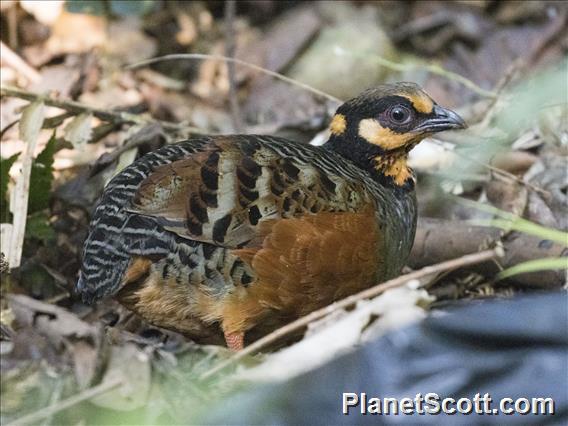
388,168
395,166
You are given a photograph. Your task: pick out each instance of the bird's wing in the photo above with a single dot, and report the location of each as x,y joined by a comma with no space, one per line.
222,195
304,237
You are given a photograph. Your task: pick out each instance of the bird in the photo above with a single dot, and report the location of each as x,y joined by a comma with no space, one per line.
225,238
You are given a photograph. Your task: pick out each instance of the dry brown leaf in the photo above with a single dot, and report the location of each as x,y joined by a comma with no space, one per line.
549,173
85,359
539,212
129,43
50,320
31,122
45,12
76,33
79,130
58,79
507,194
341,60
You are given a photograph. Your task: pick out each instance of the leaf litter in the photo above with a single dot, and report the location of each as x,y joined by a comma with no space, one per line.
56,348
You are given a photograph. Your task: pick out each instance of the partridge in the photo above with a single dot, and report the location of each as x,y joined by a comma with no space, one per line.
228,237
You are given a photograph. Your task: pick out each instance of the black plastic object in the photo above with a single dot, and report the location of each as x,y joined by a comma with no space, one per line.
515,348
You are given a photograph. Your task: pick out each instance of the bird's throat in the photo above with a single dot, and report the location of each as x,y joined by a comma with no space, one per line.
395,166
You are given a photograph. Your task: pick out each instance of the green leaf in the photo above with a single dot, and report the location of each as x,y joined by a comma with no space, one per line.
544,264
531,228
509,221
41,178
91,7
5,166
38,227
108,7
128,7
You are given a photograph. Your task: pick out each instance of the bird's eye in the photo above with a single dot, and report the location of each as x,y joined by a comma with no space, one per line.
399,114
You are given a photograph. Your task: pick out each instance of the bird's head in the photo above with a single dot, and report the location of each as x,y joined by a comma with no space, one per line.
378,128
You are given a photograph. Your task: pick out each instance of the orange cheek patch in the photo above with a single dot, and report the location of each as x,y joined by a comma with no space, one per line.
421,102
372,131
338,124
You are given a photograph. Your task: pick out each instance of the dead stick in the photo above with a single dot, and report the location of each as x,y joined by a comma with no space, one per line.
442,143
103,114
466,260
438,240
11,58
178,56
66,403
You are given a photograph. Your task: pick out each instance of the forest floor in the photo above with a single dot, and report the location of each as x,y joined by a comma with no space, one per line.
84,94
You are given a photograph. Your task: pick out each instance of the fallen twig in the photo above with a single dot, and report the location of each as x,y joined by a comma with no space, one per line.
66,403
11,58
274,74
144,135
434,69
466,260
490,167
439,240
103,114
503,173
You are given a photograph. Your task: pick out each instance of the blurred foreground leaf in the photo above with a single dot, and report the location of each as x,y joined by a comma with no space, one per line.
31,122
510,222
516,112
128,7
110,7
91,7
38,227
545,264
79,130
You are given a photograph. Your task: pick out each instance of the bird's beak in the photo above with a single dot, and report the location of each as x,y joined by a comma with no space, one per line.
442,119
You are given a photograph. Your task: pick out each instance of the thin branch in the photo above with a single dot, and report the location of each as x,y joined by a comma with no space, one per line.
8,127
11,58
466,260
434,69
180,56
13,27
491,168
507,175
442,143
66,403
143,136
230,48
103,114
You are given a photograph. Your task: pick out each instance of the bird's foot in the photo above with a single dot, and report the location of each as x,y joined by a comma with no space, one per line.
235,341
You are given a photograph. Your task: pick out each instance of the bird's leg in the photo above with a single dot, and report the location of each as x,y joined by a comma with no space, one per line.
235,341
